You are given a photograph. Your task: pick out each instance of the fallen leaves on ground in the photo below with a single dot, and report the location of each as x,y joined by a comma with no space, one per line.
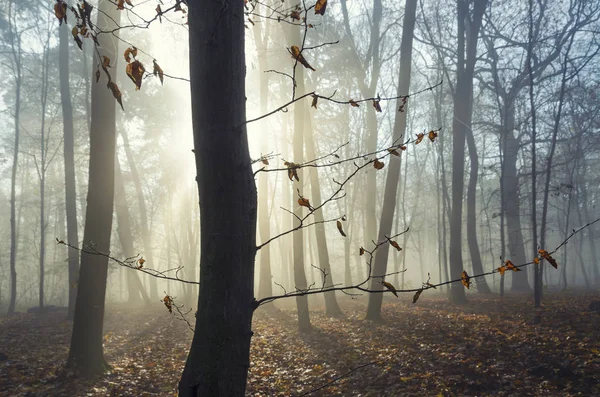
432,348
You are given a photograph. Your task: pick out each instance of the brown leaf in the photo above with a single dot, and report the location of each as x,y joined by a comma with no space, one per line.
105,61
510,266
75,33
158,71
130,52
97,74
60,10
295,15
390,287
544,254
417,294
377,106
305,203
419,138
361,251
116,93
378,164
135,70
395,245
314,101
353,103
340,229
393,151
159,13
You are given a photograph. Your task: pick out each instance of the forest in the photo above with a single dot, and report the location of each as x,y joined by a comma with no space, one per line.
299,198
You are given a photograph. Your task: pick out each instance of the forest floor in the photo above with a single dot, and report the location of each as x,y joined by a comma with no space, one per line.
487,348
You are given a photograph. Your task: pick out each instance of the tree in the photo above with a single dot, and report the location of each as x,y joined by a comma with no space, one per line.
218,361
393,175
68,147
86,353
469,23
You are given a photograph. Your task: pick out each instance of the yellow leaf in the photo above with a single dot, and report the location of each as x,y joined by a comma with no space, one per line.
390,287
340,229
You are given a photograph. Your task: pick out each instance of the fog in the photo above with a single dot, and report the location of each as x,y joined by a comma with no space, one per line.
482,156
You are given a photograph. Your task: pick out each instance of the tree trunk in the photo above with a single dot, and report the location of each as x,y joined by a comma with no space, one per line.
135,289
469,24
16,52
393,175
86,354
219,358
480,282
331,305
510,186
146,232
70,185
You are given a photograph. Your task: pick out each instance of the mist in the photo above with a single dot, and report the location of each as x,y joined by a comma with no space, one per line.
288,199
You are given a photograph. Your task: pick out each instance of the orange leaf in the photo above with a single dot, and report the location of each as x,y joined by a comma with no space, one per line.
320,7
510,266
390,287
465,279
378,164
536,260
544,254
432,135
501,270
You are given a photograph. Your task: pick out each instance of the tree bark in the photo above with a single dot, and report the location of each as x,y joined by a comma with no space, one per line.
70,184
135,289
393,175
218,361
86,354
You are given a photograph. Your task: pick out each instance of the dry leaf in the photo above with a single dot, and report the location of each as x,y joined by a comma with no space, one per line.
378,164
340,229
377,106
361,251
465,279
295,51
432,135
60,10
417,294
116,93
158,71
320,7
314,101
395,245
353,103
393,151
305,203
390,287
419,138
135,70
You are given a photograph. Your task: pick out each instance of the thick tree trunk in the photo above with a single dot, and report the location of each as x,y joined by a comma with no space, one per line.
86,354
70,185
218,361
393,175
135,289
